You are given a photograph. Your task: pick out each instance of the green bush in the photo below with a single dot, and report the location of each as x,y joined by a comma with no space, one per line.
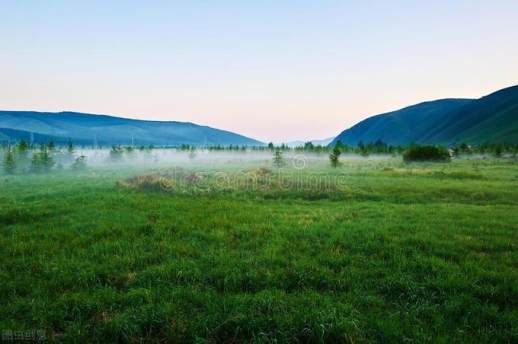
426,153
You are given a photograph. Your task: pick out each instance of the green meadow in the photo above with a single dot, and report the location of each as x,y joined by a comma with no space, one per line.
237,250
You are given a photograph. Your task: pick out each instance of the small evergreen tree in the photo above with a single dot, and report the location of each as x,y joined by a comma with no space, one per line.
23,147
9,161
334,157
42,161
308,146
192,153
278,160
498,151
70,147
22,156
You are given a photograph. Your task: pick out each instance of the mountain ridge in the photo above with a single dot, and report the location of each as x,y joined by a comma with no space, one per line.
489,119
108,129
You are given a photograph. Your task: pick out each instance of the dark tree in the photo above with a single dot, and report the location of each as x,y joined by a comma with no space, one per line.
309,146
278,160
9,161
70,147
23,147
498,150
335,156
42,161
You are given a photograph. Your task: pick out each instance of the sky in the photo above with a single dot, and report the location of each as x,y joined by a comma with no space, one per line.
272,70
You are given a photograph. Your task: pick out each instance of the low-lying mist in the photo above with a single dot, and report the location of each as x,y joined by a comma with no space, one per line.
36,160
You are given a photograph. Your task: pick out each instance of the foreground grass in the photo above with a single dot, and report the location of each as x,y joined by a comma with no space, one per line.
394,253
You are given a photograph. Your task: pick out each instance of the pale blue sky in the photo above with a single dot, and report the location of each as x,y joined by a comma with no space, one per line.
273,70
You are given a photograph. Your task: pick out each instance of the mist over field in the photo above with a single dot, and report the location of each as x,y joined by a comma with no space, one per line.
133,158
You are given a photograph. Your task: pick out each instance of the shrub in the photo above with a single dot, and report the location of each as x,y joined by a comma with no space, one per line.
148,183
263,172
426,153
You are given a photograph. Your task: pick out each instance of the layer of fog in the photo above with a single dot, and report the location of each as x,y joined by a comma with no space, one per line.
81,159
202,157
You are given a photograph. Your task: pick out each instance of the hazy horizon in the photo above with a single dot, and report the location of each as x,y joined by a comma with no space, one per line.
270,71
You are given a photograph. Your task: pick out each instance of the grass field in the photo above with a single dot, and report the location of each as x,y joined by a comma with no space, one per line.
240,251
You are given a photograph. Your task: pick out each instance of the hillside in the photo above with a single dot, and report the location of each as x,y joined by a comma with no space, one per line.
14,135
492,119
107,130
399,127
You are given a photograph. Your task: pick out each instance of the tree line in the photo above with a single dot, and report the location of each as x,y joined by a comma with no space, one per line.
24,157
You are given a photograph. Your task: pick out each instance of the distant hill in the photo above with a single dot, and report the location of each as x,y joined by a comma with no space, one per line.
13,135
299,143
491,119
109,130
